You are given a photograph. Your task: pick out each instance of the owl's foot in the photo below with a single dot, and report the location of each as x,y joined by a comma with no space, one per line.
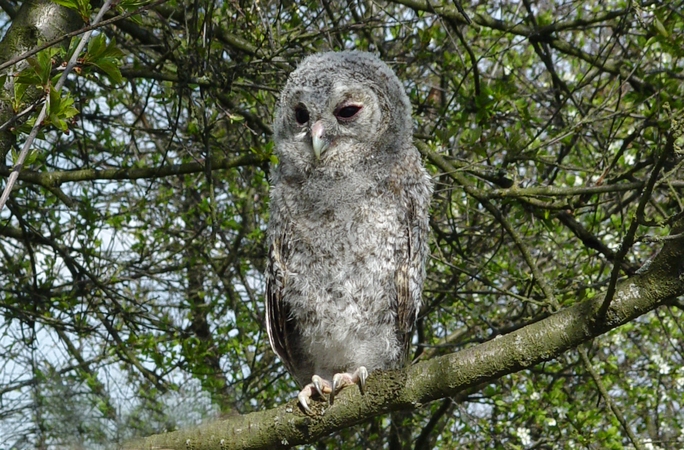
341,380
323,387
317,386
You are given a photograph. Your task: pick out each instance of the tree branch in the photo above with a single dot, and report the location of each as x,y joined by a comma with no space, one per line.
444,376
51,179
606,397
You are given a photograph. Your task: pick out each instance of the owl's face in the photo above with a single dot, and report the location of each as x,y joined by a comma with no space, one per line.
340,107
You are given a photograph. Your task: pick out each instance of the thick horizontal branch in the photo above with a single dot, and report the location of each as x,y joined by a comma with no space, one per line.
51,179
444,376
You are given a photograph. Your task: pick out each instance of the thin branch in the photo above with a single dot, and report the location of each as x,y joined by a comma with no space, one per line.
8,8
611,405
591,241
205,81
94,384
544,34
553,191
28,110
422,442
52,179
630,237
17,385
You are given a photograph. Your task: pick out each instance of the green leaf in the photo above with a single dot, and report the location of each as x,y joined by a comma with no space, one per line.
71,4
112,51
34,63
27,78
131,5
59,110
53,102
105,57
45,63
73,44
96,46
58,123
111,70
69,112
85,9
31,158
660,28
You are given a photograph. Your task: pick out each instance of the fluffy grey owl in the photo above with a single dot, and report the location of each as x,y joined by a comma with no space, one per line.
349,223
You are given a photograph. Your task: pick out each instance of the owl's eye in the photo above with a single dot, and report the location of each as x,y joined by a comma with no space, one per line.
301,114
347,112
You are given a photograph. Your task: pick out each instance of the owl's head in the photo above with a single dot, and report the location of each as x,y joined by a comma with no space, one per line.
341,106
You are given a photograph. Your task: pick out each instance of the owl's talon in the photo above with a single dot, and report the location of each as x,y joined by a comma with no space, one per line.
302,397
341,380
320,384
362,374
336,385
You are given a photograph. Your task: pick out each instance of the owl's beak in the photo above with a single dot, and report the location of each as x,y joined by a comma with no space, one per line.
318,141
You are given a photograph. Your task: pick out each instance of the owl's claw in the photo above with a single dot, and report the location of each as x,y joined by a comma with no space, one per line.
363,375
341,380
323,387
318,386
302,397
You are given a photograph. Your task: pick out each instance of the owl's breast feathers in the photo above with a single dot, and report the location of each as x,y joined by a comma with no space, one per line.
345,275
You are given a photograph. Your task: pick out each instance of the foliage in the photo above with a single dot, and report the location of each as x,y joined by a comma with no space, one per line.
83,7
132,249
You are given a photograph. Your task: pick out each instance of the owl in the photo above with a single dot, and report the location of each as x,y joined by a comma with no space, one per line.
348,227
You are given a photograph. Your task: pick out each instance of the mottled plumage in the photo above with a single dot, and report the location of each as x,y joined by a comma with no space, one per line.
349,222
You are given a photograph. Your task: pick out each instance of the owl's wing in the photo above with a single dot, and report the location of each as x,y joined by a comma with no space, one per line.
410,270
278,317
